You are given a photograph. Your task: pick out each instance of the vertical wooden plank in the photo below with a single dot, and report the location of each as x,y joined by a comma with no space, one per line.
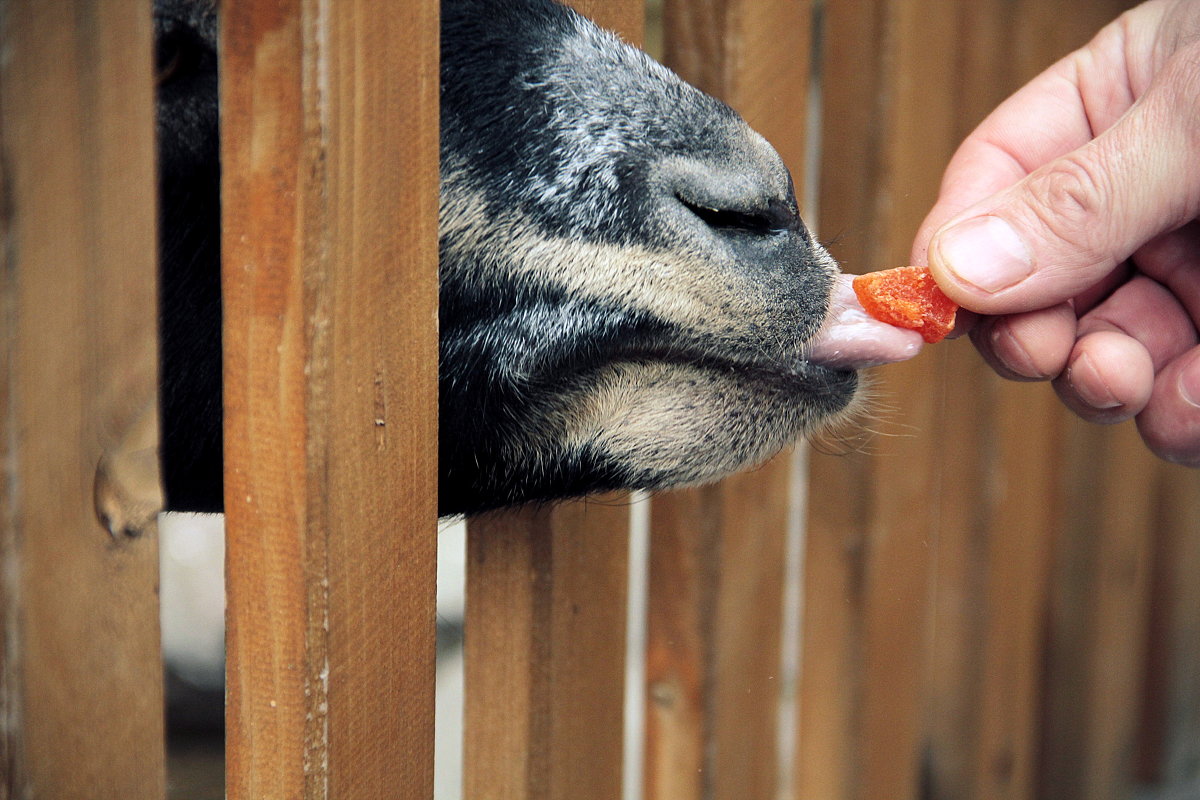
545,652
627,18
717,553
1168,752
842,501
329,136
381,397
545,625
269,671
1027,467
999,754
713,650
982,637
1099,629
874,518
989,590
1120,605
1097,618
1023,496
679,637
81,680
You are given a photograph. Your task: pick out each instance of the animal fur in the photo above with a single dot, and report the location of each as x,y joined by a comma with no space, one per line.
627,288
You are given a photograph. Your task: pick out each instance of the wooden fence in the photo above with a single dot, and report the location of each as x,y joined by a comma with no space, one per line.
984,600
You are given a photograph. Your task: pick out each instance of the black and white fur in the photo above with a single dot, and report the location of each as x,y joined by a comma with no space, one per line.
627,289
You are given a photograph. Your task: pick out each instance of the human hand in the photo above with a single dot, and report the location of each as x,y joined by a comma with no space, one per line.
1069,218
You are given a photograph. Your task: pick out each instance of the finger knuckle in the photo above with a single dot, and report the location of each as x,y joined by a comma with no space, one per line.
1072,189
1070,199
1181,84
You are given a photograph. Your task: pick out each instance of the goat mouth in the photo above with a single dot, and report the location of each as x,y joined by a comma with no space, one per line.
848,340
799,376
852,339
824,362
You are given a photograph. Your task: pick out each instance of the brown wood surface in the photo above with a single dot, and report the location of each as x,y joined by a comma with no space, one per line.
545,625
873,515
545,651
1168,748
983,679
932,556
999,510
1098,618
80,671
625,17
713,663
717,553
1041,487
329,151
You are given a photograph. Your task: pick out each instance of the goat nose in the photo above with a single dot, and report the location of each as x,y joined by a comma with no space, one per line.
730,200
774,217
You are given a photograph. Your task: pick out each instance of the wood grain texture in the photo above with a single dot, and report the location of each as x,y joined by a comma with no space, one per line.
927,610
999,510
545,626
545,651
1097,618
1021,494
713,667
329,150
717,553
81,682
626,18
1168,747
873,516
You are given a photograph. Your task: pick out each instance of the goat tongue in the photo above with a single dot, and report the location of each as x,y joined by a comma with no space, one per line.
852,339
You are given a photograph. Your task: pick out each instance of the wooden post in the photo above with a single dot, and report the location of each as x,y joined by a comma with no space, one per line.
1168,751
545,626
545,645
1097,620
329,152
717,553
713,640
81,696
887,127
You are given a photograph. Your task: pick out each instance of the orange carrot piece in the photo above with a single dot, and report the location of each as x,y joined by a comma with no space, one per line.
907,297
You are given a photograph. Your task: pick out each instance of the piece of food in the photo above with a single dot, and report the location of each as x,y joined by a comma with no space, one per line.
907,297
853,339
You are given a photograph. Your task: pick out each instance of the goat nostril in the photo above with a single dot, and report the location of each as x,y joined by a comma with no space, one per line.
776,217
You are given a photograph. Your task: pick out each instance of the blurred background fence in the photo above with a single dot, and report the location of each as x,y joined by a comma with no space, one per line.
983,599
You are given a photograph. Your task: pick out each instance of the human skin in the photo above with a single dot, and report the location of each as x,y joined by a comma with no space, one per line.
1067,223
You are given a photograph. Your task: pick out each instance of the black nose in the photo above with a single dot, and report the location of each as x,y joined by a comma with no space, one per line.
773,216
733,197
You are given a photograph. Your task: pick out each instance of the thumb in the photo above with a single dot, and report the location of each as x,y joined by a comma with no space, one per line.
1071,221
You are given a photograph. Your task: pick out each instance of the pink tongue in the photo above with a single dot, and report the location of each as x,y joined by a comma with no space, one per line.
852,339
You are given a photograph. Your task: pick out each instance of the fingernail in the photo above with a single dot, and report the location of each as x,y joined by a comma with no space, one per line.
985,252
1189,383
1094,391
